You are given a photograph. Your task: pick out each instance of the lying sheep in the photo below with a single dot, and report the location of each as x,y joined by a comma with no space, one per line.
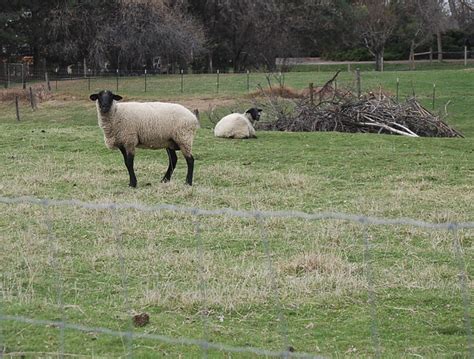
237,125
150,125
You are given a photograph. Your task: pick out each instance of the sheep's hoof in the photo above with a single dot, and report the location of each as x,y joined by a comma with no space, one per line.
165,180
133,185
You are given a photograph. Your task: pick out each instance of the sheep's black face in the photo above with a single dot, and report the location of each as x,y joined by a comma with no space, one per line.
105,99
254,113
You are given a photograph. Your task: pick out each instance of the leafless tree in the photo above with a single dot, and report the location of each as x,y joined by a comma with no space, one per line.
321,27
463,12
376,24
126,33
436,19
242,33
423,19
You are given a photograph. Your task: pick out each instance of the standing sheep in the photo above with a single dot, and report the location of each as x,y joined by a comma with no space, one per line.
237,125
150,125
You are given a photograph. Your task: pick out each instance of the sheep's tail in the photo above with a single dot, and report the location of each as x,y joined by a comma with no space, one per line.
196,113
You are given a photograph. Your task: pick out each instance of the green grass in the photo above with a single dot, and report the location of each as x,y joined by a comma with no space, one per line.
65,262
388,66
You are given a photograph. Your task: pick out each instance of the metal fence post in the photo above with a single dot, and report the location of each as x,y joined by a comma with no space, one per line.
8,75
398,86
358,82
23,80
248,81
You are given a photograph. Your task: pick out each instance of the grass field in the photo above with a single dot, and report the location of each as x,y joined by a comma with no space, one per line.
269,283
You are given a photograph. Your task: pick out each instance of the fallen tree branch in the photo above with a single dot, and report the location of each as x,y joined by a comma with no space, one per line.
391,129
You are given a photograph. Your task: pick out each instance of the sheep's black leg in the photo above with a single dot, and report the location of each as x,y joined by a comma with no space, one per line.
128,158
189,176
173,159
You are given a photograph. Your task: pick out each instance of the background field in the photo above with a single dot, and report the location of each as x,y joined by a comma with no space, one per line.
269,284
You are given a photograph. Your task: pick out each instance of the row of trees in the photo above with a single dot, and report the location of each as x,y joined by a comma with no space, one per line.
238,34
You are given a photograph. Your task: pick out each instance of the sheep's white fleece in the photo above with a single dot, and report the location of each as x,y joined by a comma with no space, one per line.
235,125
148,125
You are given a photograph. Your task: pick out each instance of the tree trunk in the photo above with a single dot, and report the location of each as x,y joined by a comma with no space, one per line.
36,60
236,63
210,63
379,60
440,46
412,55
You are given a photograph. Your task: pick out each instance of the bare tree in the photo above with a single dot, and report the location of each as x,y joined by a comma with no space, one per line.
321,27
463,12
467,4
420,20
435,17
242,33
124,33
376,24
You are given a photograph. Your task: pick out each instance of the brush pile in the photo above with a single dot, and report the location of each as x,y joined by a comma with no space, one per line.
345,112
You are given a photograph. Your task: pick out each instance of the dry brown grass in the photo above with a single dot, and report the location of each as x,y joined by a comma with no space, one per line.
279,91
167,267
40,92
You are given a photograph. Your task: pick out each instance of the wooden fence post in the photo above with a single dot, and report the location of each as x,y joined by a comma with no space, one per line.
145,80
465,55
23,79
311,93
17,109
32,99
358,82
46,77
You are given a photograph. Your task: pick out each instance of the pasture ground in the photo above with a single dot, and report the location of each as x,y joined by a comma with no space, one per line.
65,263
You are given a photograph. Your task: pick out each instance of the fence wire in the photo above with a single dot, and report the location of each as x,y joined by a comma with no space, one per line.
206,344
55,264
238,213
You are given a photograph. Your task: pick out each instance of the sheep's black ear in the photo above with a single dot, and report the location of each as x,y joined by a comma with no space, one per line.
259,110
117,97
94,96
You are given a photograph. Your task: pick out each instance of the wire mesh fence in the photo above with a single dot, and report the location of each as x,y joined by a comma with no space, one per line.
127,279
178,81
